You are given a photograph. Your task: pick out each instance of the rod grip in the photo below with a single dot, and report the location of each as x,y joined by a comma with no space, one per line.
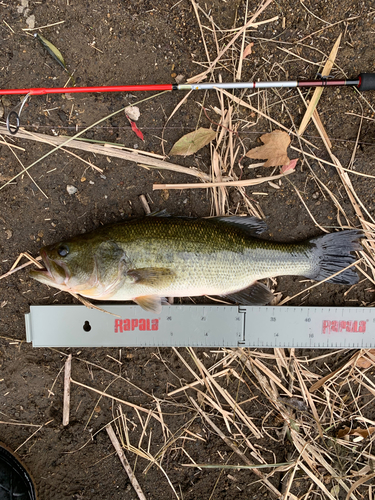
366,81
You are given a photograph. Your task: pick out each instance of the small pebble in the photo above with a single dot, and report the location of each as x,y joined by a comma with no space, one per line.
71,189
179,78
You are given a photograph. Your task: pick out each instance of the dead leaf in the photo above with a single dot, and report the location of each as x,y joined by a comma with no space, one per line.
274,150
335,491
364,361
193,142
179,79
135,129
248,50
165,194
290,166
364,433
54,52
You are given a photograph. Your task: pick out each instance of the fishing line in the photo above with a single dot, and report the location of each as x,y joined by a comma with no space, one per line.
69,139
181,127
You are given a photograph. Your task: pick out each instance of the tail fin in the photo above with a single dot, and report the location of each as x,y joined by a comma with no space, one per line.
332,253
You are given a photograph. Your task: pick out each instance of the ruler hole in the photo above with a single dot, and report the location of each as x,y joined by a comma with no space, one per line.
87,326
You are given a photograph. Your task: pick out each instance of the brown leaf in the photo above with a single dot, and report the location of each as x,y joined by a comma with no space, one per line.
274,149
364,361
364,433
248,50
193,142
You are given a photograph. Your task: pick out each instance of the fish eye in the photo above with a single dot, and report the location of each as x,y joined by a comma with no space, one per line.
63,250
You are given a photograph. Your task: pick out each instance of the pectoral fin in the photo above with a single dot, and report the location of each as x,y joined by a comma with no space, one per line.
149,303
152,276
255,295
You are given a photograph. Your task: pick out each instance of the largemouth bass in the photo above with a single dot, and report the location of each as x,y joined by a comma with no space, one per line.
147,259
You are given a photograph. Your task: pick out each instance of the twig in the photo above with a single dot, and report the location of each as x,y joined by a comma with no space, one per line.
124,461
66,405
145,205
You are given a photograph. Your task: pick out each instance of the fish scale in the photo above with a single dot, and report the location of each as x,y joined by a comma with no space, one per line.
162,256
207,257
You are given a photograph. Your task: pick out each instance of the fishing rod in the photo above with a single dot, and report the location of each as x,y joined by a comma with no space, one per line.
365,81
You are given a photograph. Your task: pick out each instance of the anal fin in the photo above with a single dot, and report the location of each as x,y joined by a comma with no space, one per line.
256,294
150,303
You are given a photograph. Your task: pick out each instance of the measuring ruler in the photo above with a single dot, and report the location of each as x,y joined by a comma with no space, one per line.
201,326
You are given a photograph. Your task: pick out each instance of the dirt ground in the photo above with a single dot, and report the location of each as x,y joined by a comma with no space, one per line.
139,41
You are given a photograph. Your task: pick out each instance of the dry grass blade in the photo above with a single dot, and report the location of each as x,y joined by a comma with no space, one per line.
358,483
194,384
207,185
235,448
317,481
201,76
270,374
139,158
127,403
237,410
31,261
10,146
254,466
4,422
138,451
333,374
318,91
260,113
15,269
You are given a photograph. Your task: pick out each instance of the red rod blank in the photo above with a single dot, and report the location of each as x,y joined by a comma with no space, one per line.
76,90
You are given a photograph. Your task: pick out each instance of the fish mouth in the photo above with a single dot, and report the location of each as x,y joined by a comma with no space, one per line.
54,274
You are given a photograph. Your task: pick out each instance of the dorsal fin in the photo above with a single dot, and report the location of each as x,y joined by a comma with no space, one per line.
159,213
252,225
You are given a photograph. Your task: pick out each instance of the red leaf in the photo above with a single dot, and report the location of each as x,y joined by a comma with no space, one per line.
135,129
289,166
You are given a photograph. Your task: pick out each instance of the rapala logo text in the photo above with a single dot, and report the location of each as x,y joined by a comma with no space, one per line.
144,325
344,326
